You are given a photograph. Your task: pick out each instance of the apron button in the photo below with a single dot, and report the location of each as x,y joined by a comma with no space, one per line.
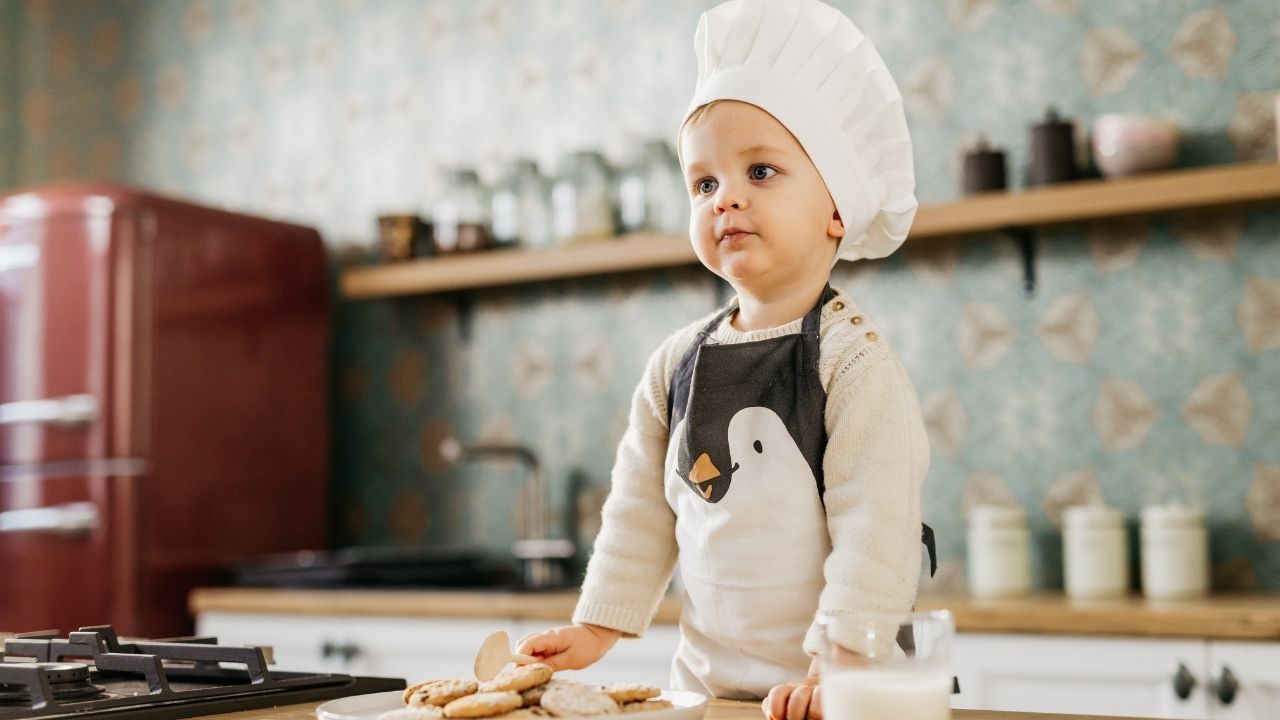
856,319
872,336
837,306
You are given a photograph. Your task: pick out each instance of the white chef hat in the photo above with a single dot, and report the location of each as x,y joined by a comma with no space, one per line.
808,66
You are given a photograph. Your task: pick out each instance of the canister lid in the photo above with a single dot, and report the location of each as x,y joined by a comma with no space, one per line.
1002,516
1177,515
1094,515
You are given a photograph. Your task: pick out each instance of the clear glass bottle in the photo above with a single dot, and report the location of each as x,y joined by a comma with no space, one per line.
522,207
999,552
582,209
1094,553
461,215
651,192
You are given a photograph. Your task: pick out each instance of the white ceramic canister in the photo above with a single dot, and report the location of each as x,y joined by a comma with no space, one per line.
1095,560
999,552
1175,552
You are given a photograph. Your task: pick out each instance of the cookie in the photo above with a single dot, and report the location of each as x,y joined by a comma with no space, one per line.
483,704
438,692
518,678
630,692
424,712
526,713
569,700
647,706
533,696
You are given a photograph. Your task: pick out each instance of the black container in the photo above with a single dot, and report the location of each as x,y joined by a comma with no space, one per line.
1052,151
984,169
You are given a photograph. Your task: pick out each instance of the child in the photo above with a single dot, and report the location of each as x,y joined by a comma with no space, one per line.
775,449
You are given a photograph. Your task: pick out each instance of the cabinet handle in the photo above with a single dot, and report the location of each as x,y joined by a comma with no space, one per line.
70,519
67,410
1226,686
346,651
1183,682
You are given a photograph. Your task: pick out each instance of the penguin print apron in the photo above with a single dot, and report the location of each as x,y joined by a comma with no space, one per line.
743,474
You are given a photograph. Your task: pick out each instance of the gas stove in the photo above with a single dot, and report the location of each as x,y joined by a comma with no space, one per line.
93,674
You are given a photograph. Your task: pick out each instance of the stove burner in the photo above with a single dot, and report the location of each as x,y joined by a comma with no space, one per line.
92,674
68,681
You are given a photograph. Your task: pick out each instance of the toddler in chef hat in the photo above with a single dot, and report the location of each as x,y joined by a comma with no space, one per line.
775,449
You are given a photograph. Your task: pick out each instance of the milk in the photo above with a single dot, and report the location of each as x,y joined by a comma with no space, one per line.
886,695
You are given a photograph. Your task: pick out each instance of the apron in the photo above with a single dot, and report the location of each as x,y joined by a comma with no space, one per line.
743,475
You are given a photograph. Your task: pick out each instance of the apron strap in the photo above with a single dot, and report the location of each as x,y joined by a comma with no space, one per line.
926,537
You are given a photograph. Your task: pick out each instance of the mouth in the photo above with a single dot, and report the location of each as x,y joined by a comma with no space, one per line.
734,237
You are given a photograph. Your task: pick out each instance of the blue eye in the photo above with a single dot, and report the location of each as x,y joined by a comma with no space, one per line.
762,172
704,186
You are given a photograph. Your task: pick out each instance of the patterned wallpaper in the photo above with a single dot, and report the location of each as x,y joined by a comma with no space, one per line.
1146,365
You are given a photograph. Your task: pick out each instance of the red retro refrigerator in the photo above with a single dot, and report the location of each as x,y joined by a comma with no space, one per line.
163,412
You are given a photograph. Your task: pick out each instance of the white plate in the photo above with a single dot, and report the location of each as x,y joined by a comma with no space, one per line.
688,706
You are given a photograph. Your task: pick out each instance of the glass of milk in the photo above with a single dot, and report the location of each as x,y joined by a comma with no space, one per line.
886,666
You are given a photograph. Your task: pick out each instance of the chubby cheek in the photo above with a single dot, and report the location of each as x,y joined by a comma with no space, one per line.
701,226
701,229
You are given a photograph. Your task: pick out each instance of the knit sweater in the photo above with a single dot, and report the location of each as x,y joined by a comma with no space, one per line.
876,458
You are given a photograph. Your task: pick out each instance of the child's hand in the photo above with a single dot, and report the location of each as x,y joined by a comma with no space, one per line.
794,701
569,647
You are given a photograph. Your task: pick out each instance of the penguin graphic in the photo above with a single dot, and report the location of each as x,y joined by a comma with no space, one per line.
754,446
757,411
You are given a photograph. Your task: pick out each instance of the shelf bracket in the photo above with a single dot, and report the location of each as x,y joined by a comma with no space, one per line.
466,306
1025,238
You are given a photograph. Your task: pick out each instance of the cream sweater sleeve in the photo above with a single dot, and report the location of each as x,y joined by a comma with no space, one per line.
634,554
876,459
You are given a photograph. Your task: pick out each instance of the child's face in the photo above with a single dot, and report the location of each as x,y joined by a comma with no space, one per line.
747,174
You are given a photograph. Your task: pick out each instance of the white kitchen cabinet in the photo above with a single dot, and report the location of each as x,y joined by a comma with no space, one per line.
1081,675
1126,676
1244,680
418,648
411,648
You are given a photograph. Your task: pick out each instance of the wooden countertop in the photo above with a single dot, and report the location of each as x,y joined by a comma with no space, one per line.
553,606
1240,617
719,710
1227,617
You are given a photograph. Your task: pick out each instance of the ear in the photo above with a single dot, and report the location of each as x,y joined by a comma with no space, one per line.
835,228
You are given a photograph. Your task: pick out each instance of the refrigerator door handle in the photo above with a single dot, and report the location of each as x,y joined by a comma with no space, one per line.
67,410
19,257
77,518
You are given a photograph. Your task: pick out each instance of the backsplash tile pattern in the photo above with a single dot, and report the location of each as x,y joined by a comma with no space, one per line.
1144,366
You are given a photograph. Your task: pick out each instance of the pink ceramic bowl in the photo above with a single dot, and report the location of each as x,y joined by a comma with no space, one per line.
1131,144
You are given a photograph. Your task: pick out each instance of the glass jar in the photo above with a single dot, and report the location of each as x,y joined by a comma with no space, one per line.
999,552
1095,560
461,216
1175,552
522,207
581,208
651,192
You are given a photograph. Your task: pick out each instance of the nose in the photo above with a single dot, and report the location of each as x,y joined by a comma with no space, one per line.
729,196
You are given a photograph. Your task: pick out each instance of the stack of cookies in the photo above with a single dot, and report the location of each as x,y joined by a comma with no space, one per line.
524,692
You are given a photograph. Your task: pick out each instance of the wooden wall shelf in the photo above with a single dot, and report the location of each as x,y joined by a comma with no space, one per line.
1178,190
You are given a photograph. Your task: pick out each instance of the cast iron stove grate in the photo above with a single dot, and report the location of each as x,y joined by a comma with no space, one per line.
92,674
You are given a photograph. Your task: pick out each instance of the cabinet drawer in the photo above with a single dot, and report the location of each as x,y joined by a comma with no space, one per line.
420,648
409,648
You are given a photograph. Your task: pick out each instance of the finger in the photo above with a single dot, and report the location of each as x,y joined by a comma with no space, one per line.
815,704
764,707
798,705
549,642
776,702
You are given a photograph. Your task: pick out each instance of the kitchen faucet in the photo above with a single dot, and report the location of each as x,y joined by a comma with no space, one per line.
537,551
